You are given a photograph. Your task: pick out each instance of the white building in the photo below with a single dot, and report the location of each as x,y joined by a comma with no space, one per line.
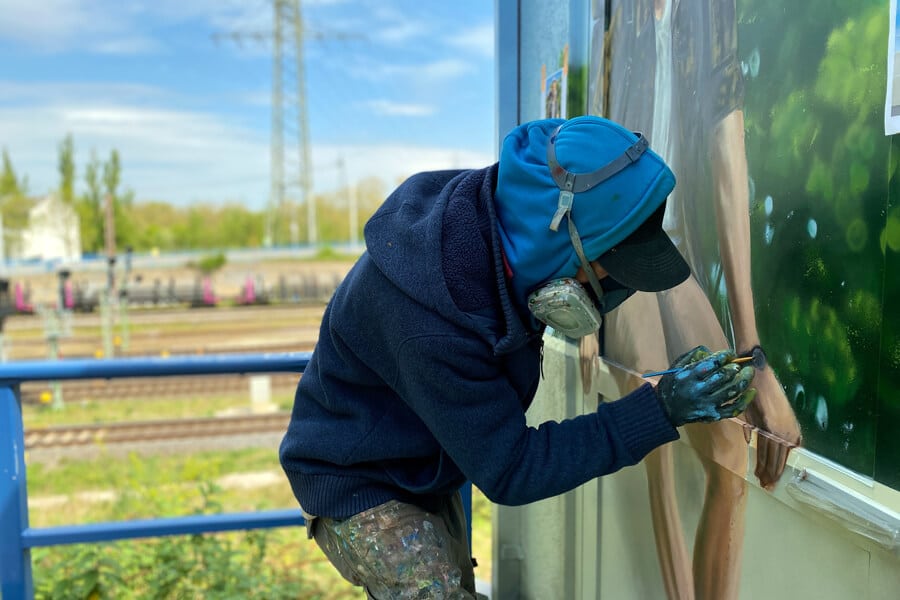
53,231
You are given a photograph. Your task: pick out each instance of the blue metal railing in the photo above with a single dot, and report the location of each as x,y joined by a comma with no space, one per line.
17,538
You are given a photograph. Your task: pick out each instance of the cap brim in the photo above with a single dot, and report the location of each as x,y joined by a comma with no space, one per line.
647,260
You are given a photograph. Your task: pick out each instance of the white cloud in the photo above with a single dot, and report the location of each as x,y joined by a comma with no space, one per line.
35,21
399,32
44,92
243,16
166,154
439,71
476,40
129,45
257,98
390,25
58,25
390,162
443,70
183,156
398,109
115,27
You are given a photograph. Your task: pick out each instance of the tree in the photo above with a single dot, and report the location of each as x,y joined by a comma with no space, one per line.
90,207
67,170
121,201
112,173
14,205
9,183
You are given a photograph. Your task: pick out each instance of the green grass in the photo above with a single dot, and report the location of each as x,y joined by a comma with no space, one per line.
133,472
279,563
284,562
327,253
113,411
155,478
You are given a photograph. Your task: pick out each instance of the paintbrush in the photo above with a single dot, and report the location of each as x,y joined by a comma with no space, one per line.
739,359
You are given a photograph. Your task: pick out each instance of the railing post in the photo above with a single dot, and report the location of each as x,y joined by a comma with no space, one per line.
15,559
466,493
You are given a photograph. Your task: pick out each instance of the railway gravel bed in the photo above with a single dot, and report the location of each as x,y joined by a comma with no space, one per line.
152,387
152,431
148,316
51,456
198,332
171,332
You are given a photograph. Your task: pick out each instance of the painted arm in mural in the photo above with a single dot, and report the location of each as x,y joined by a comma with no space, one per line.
771,411
588,351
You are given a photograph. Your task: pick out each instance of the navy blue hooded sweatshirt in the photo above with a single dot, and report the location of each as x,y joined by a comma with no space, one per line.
425,366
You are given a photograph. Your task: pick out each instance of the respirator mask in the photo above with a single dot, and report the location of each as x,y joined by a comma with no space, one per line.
564,304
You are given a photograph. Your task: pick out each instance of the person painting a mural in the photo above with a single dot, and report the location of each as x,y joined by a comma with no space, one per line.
669,68
430,352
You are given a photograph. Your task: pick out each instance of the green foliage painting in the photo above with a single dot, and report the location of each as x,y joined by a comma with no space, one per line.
821,233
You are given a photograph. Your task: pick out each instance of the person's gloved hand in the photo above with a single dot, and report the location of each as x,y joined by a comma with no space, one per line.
706,388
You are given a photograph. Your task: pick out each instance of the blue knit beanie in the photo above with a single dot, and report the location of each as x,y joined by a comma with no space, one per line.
527,197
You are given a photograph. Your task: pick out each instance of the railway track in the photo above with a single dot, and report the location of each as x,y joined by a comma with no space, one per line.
148,316
177,332
151,431
228,331
188,348
152,387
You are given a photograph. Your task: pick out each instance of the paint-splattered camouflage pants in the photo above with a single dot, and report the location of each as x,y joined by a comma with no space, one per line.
399,551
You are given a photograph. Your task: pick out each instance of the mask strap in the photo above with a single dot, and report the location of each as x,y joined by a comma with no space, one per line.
585,263
569,184
585,181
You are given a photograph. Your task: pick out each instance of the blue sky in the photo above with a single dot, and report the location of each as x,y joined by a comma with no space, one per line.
394,87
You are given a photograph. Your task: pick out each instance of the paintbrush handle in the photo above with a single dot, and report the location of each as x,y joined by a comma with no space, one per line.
666,372
740,359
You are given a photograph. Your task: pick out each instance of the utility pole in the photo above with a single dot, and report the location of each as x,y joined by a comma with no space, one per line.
275,210
58,324
108,302
109,229
352,203
124,303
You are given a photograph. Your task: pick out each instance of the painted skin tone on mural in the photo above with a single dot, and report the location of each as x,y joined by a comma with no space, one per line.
687,319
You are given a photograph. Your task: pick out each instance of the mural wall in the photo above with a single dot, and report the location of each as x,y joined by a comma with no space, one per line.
771,115
825,235
800,105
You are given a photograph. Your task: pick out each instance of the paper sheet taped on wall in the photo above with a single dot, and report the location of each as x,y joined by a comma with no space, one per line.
892,100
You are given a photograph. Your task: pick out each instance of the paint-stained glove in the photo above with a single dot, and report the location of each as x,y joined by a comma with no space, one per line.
707,387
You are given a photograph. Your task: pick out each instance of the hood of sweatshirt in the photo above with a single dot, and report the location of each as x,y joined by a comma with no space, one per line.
435,237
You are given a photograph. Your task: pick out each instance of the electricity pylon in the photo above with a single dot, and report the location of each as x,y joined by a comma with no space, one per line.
290,151
289,146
